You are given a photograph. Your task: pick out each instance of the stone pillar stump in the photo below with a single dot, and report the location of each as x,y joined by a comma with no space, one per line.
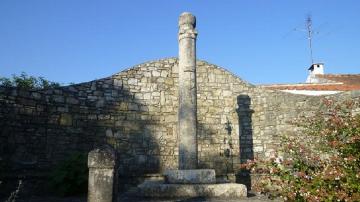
101,163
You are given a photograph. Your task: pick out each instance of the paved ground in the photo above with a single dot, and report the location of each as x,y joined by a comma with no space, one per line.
25,195
195,200
51,199
251,197
134,199
127,198
132,196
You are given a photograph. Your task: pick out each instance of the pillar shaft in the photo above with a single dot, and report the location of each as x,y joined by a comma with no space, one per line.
187,92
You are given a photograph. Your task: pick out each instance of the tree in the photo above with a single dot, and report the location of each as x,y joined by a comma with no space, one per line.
27,82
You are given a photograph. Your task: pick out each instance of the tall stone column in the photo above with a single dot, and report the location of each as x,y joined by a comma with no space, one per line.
187,92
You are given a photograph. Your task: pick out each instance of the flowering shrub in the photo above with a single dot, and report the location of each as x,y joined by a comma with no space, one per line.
323,164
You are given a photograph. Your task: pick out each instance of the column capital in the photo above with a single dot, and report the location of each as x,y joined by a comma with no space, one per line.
187,18
187,34
187,24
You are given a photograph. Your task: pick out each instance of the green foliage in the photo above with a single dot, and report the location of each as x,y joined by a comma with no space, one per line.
321,165
71,176
27,82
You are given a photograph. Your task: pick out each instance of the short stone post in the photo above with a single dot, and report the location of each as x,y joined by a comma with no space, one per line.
101,163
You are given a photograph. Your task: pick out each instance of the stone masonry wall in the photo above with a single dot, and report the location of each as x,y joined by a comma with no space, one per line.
136,112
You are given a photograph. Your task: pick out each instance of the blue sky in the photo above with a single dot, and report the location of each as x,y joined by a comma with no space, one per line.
81,40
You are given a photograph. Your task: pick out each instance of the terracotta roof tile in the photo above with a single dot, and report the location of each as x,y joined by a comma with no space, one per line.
316,87
350,79
337,82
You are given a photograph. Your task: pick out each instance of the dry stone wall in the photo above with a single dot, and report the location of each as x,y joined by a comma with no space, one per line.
136,112
239,121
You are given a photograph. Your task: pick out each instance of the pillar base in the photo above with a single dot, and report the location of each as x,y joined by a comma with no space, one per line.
162,190
198,176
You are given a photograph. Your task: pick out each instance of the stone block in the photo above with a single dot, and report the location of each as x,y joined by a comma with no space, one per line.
71,100
198,176
66,120
101,164
159,189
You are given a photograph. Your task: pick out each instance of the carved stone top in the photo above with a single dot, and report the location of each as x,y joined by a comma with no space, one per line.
187,24
187,19
102,157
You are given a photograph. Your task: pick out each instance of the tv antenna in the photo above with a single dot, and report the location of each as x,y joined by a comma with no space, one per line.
310,35
310,32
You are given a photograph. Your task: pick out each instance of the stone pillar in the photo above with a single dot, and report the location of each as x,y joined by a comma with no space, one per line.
101,163
187,92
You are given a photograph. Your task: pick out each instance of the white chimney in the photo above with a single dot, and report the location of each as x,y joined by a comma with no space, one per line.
317,68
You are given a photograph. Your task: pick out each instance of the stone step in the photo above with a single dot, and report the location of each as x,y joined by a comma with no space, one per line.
196,176
163,190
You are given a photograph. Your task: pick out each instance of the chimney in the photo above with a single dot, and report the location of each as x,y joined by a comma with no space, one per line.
315,69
